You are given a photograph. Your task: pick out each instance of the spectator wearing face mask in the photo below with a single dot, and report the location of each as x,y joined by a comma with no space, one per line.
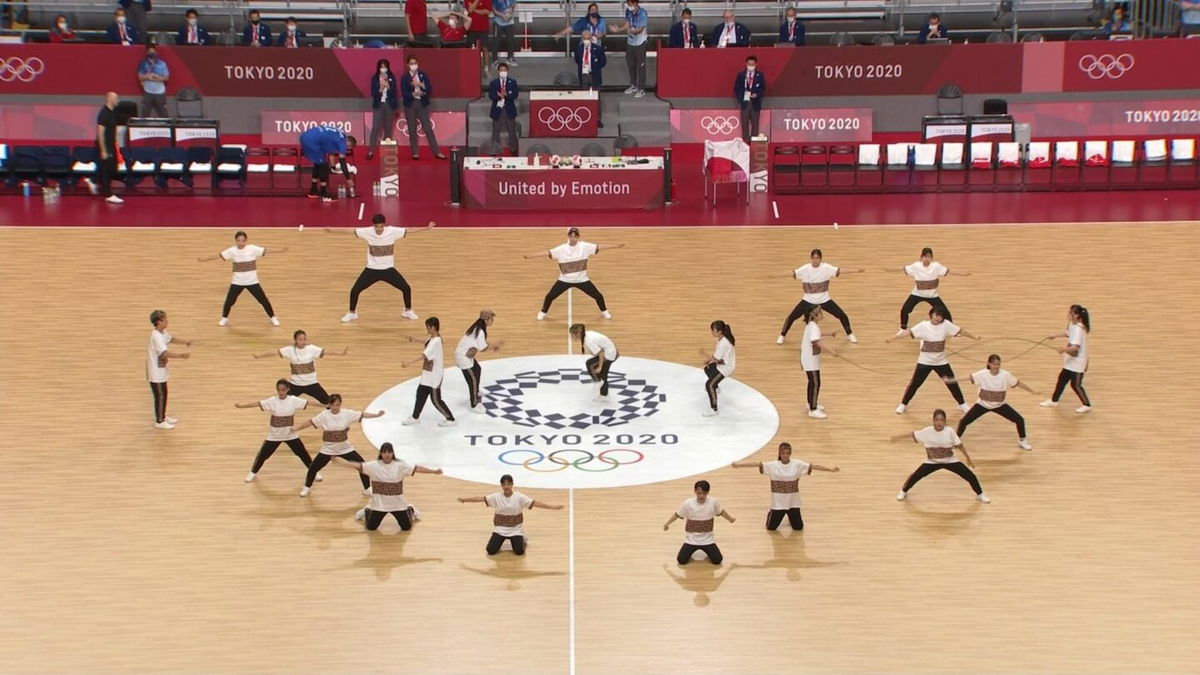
635,26
153,74
730,33
256,33
591,21
933,30
416,88
748,89
791,30
383,106
192,33
120,32
452,28
590,61
1116,24
503,91
136,11
504,19
290,37
60,31
684,34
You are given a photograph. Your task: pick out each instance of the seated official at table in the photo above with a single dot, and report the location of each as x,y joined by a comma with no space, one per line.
1116,24
730,33
256,33
503,92
748,88
192,33
120,32
592,21
933,29
684,34
290,37
60,31
451,27
791,30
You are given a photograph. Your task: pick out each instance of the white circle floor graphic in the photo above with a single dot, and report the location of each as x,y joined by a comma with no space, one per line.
543,426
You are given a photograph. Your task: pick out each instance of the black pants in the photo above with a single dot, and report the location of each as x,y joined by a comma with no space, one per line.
314,390
829,306
775,517
105,170
956,467
918,378
561,287
268,449
496,541
714,381
711,550
1064,377
508,125
913,300
507,34
434,395
471,375
369,277
322,459
748,118
1006,411
419,112
814,387
255,289
599,374
375,518
159,389
320,179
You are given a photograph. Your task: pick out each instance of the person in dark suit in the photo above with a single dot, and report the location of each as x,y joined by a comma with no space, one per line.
120,32
290,37
192,33
748,89
791,30
416,88
933,29
256,33
383,105
684,34
590,61
503,91
137,10
730,33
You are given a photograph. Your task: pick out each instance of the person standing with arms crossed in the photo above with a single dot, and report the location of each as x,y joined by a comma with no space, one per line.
509,520
635,25
157,374
416,88
381,262
699,513
748,89
153,74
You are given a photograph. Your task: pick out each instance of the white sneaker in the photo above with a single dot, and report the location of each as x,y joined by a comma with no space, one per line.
1024,444
361,513
820,407
780,340
606,314
981,497
414,512
901,408
817,414
409,421
602,399
852,339
164,425
964,407
448,423
901,496
409,314
631,89
479,410
709,413
91,186
902,332
350,316
320,478
639,93
274,321
1049,404
113,199
223,322
541,316
171,420
388,141
1083,408
305,491
250,477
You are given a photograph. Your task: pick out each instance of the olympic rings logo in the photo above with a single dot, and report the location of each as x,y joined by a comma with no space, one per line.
564,118
581,462
1106,65
17,68
720,125
403,128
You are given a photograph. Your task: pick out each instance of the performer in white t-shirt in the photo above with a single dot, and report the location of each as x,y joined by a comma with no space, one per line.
940,442
334,423
815,277
509,519
785,474
698,514
244,258
387,476
1075,358
932,357
994,383
719,363
381,262
156,366
572,258
433,368
603,352
302,360
926,275
283,408
470,346
812,347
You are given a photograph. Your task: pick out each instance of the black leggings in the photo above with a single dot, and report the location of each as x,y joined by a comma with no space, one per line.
914,300
957,467
434,395
1064,376
255,290
918,378
711,550
314,390
496,541
599,375
775,517
814,387
1006,411
320,177
322,459
471,375
829,306
561,287
159,389
714,381
268,449
375,518
369,277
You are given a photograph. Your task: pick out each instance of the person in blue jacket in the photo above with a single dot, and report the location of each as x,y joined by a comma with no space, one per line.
383,105
791,30
503,91
318,145
592,21
415,89
748,88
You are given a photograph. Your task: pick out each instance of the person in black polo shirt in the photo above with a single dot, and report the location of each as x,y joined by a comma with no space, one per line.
106,147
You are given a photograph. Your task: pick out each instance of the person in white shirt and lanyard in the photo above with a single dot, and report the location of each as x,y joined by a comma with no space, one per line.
509,519
940,442
302,361
157,374
719,364
283,408
815,280
635,26
785,474
994,383
470,346
334,423
1075,358
603,352
433,368
387,476
572,258
926,274
381,262
932,357
698,514
244,258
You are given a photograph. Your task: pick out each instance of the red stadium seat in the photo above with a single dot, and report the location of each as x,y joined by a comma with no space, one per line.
785,169
1097,165
1065,173
982,174
868,169
814,167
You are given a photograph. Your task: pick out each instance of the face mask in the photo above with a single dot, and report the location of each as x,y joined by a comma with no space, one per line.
750,69
686,21
191,22
412,67
594,15
503,74
62,26
453,22
383,69
291,29
254,21
120,19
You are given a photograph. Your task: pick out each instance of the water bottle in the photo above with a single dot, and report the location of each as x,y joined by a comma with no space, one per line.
341,192
25,188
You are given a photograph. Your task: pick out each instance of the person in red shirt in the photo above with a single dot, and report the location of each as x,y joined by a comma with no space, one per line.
418,22
60,32
452,27
479,15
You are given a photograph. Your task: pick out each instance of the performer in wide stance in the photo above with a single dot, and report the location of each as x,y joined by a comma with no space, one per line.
381,262
940,442
244,258
926,274
699,513
302,360
994,383
334,424
572,258
387,476
932,357
283,407
785,474
815,278
509,519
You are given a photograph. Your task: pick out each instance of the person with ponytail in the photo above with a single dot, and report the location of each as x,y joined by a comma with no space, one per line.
940,442
932,357
433,368
387,476
810,359
719,364
603,352
994,383
470,345
1075,358
815,279
785,485
926,274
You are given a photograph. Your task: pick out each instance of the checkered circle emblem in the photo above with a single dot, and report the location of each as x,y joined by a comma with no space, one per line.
631,399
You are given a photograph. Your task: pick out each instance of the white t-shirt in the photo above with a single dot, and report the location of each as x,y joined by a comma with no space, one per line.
468,347
785,482
699,519
595,342
572,260
156,358
810,348
926,285
509,518
434,365
283,416
816,281
1076,335
335,430
725,352
939,445
933,341
387,484
245,267
993,388
303,363
381,248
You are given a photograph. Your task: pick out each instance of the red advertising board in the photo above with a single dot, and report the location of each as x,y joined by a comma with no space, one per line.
449,127
46,123
1078,119
588,189
821,125
696,125
283,127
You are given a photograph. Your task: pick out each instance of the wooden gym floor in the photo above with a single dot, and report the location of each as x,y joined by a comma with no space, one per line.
130,549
